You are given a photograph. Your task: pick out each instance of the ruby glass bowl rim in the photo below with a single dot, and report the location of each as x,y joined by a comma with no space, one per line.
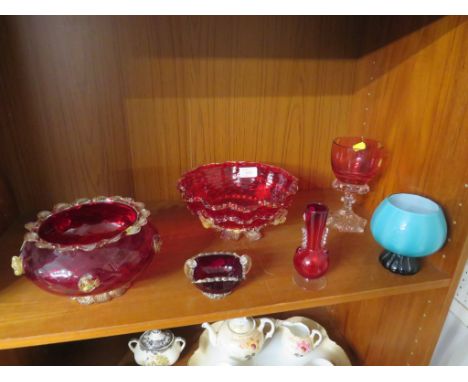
134,227
375,143
191,264
323,208
190,197
48,230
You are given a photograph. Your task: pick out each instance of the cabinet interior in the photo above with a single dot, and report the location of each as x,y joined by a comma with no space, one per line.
98,105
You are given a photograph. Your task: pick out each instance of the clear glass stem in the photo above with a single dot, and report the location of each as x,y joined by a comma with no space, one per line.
348,200
345,219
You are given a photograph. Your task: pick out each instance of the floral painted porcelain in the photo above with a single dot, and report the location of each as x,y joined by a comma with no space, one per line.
157,348
273,353
297,339
240,338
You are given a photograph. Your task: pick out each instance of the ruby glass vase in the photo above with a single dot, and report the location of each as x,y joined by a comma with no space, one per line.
311,258
355,162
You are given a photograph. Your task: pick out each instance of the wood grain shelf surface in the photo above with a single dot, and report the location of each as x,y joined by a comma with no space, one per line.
163,298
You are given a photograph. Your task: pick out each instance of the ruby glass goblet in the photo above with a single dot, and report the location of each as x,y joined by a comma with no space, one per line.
355,161
311,258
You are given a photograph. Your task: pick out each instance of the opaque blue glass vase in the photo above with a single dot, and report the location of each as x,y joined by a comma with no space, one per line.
408,226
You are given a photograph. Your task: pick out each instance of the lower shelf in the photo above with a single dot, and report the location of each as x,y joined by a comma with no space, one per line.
114,351
164,298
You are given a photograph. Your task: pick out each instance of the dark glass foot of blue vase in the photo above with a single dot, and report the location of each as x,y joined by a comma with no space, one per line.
403,265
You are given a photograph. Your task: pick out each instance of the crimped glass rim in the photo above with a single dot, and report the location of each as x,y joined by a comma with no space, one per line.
190,198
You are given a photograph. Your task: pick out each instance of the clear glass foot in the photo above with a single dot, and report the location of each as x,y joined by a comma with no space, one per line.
346,221
235,234
310,284
231,234
253,234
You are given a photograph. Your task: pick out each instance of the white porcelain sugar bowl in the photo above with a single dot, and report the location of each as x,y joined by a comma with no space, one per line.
157,348
297,339
240,338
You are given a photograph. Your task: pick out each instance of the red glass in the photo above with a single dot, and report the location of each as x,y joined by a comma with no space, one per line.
89,248
238,197
217,274
88,223
356,166
311,259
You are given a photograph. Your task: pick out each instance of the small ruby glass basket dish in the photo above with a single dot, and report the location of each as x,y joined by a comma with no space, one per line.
90,250
355,162
216,274
238,197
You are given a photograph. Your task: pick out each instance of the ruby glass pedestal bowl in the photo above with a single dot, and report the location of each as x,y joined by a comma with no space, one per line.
355,161
238,198
409,227
91,250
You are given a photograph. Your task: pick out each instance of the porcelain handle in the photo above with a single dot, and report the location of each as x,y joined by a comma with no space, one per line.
264,321
181,343
132,344
317,333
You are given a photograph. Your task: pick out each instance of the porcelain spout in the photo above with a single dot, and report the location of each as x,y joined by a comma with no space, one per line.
212,335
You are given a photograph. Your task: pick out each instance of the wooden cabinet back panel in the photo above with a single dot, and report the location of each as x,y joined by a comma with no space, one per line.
124,105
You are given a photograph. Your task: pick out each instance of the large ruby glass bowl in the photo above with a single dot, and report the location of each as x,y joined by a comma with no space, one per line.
91,249
238,197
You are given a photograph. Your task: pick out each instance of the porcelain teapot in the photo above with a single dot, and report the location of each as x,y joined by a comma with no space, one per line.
157,348
297,339
240,338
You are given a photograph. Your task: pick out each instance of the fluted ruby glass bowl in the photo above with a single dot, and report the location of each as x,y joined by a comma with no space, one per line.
238,197
91,249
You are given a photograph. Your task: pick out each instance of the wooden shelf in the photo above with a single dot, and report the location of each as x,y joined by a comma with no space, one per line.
164,298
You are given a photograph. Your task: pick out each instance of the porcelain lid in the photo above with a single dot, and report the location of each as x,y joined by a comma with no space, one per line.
156,340
242,325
